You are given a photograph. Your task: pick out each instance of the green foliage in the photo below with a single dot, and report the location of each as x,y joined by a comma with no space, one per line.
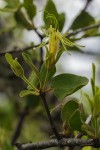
22,20
25,93
51,9
75,121
68,109
11,6
92,130
66,84
41,80
44,70
18,70
30,8
15,66
30,63
33,79
82,20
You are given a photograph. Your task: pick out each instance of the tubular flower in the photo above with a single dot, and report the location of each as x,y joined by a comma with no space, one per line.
57,41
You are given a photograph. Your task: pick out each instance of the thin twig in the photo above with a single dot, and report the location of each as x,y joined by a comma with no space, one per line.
19,50
83,29
63,142
49,117
86,5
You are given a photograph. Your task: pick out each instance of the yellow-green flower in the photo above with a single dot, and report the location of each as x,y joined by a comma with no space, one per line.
57,42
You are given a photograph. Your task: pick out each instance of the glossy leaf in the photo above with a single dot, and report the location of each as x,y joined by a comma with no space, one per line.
30,8
68,108
66,84
84,19
75,121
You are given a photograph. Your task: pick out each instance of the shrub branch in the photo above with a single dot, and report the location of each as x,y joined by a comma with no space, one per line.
63,142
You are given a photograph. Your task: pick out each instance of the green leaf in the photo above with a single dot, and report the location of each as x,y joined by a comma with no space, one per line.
15,66
75,121
96,106
25,93
44,70
88,130
66,84
33,79
30,8
12,3
61,21
30,63
12,6
68,109
59,53
51,9
87,104
8,9
22,20
82,20
9,58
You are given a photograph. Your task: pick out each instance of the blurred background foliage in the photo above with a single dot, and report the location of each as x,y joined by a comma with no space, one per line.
21,22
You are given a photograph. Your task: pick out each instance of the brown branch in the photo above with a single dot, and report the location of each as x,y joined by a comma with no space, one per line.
86,5
83,29
49,116
19,50
63,142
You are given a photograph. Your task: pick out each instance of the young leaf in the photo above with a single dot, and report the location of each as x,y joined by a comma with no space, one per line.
12,4
27,92
87,104
15,66
33,79
68,109
9,58
88,130
96,106
43,72
66,84
93,79
30,8
75,121
30,63
80,22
